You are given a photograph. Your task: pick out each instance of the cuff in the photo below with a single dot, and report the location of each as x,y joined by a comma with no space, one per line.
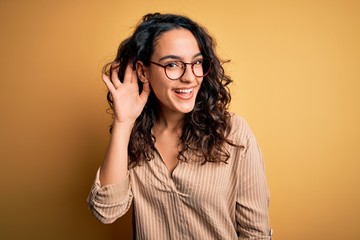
111,193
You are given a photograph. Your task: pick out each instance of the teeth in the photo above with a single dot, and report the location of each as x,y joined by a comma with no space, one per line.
184,90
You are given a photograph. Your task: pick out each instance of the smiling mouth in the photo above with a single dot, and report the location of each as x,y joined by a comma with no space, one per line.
184,91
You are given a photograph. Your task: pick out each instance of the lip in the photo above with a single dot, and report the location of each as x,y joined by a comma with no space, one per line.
184,93
185,88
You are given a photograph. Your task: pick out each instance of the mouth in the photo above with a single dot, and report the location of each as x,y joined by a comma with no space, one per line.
184,93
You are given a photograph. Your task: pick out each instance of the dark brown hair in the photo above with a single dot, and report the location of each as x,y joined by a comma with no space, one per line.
206,128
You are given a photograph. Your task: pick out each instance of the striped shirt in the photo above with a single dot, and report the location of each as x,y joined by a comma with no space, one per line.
210,201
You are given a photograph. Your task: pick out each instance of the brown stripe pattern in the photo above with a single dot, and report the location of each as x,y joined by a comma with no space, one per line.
211,201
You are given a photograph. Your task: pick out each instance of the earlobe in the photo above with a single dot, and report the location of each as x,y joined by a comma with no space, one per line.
141,72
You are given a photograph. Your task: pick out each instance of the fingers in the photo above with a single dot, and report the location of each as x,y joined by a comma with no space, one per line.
145,91
108,83
114,75
130,75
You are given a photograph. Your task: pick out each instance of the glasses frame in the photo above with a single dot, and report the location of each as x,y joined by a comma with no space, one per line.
184,64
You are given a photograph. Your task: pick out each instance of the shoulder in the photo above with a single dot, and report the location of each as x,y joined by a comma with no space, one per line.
242,135
239,125
240,131
237,120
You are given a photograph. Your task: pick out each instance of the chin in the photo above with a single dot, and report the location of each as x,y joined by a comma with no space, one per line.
187,110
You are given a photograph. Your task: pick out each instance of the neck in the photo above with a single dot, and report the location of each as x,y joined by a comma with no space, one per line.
169,121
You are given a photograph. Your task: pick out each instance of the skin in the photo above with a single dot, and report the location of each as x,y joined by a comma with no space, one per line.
176,98
178,44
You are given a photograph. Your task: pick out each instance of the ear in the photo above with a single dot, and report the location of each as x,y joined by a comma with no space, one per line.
142,72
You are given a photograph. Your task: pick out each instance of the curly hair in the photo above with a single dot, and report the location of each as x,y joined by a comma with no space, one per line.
206,128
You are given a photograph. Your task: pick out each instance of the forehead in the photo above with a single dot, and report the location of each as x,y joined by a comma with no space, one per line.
177,42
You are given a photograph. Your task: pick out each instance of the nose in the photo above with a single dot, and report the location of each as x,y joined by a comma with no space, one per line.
188,75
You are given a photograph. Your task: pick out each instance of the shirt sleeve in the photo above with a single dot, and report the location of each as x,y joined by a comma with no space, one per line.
252,200
110,202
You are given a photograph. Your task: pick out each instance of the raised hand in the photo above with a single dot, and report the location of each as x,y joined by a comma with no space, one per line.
128,102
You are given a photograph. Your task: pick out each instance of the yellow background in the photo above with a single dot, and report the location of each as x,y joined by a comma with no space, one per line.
296,66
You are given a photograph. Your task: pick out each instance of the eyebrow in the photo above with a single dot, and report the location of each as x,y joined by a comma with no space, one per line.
177,57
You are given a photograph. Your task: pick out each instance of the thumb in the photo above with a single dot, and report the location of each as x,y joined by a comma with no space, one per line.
145,91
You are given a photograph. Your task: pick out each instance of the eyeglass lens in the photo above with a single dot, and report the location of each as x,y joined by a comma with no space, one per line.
176,70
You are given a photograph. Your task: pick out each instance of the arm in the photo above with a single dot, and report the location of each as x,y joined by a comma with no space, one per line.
111,196
109,202
253,196
128,105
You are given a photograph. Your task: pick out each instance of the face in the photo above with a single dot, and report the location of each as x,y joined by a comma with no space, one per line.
175,96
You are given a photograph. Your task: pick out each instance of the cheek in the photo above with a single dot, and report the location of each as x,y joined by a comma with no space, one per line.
200,82
158,87
158,81
155,73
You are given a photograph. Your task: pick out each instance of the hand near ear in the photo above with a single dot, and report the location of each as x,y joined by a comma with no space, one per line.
128,103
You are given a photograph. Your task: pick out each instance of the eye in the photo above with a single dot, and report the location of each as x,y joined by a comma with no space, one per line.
198,62
173,65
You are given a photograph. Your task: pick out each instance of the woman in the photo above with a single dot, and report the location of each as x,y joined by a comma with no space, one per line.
191,169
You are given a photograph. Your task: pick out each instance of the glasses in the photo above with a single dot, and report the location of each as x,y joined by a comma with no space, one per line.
176,69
